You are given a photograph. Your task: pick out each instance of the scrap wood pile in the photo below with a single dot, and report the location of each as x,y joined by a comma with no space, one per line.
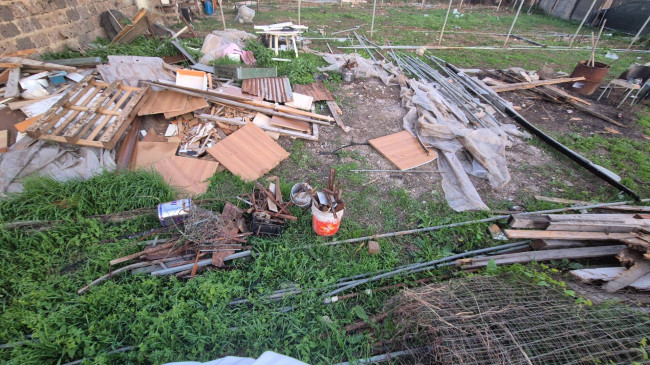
584,236
141,112
510,320
544,84
200,239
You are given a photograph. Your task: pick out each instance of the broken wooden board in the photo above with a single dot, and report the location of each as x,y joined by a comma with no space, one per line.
12,88
336,114
640,268
28,64
609,274
160,102
186,173
192,104
287,123
565,235
316,90
301,101
92,113
248,153
262,121
22,126
530,85
141,24
403,150
146,154
547,255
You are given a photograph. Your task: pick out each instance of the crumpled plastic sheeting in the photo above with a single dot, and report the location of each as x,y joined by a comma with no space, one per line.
133,69
462,149
365,68
459,191
58,161
215,46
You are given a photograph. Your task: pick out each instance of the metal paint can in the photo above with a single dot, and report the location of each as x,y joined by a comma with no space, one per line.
172,213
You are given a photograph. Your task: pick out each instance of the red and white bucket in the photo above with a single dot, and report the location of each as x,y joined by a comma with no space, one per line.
324,223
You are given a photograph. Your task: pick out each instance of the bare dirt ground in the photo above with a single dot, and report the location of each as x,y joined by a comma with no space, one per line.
373,110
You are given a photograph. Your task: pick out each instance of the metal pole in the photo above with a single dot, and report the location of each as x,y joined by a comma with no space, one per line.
582,22
299,3
639,33
499,6
442,31
372,24
513,23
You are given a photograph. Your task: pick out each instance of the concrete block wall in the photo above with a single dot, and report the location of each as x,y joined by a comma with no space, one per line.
49,25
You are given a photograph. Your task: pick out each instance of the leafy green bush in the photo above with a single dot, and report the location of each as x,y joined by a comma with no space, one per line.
299,70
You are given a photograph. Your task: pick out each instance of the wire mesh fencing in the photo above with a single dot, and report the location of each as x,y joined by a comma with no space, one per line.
505,320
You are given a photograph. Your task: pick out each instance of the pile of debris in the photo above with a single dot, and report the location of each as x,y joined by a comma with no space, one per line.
141,112
583,236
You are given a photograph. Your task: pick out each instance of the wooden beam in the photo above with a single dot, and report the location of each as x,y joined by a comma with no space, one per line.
557,244
564,235
530,85
560,200
593,227
336,114
38,65
536,256
240,122
444,24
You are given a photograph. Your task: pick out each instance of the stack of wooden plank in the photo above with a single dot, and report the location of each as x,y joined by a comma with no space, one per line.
573,236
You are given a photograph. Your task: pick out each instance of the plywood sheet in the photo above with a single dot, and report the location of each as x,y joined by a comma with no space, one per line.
261,120
248,153
287,123
147,153
191,105
403,150
301,101
189,175
163,101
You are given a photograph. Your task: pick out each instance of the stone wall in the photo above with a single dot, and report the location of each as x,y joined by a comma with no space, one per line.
49,25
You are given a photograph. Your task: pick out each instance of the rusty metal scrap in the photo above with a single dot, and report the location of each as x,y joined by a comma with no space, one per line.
276,89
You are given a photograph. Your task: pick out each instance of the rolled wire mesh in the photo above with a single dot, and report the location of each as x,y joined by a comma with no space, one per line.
491,320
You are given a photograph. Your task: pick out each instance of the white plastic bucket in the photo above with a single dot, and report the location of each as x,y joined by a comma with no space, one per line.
324,223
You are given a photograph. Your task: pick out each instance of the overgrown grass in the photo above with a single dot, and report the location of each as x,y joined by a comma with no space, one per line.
141,46
624,156
170,320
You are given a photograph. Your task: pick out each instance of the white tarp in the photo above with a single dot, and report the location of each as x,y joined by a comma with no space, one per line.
58,161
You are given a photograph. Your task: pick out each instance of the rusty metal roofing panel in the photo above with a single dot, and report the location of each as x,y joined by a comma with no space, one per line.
276,89
317,90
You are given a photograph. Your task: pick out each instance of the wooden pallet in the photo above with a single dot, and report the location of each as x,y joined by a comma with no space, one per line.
92,113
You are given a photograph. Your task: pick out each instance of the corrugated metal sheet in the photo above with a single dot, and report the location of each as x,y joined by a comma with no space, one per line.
317,90
276,89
